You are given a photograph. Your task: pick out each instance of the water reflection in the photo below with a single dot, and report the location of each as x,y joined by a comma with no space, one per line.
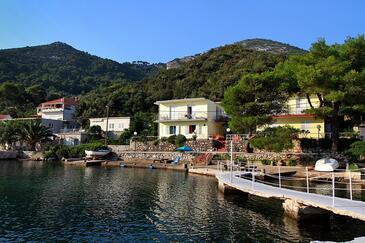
43,202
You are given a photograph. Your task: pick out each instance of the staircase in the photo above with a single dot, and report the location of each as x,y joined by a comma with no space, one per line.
203,159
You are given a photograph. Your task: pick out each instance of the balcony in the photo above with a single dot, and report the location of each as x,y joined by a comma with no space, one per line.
221,118
183,116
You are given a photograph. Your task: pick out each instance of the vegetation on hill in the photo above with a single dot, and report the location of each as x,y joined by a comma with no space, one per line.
271,46
208,75
63,70
335,74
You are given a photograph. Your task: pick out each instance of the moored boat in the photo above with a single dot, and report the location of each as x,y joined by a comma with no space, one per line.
326,164
97,153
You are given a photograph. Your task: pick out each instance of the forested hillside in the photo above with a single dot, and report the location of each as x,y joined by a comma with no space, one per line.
46,72
63,70
206,75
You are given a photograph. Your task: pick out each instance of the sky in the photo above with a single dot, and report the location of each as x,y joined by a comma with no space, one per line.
161,30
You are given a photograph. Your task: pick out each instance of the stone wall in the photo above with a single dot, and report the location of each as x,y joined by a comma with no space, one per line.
119,148
198,145
8,155
32,155
138,155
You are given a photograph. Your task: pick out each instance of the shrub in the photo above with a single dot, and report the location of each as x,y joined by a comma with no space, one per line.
356,150
156,142
164,139
353,167
125,136
266,162
180,140
292,162
325,144
275,139
171,139
62,151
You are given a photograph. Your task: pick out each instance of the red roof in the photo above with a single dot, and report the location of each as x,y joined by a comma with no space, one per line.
293,115
4,117
66,101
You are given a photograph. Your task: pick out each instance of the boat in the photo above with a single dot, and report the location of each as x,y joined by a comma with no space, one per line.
248,175
326,164
97,153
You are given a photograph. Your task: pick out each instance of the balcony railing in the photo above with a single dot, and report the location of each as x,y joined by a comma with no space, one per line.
74,130
182,116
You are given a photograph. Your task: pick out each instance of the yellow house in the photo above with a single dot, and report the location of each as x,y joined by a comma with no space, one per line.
295,117
189,117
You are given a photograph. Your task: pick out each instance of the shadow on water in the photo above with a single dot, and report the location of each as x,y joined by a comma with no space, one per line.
49,202
332,228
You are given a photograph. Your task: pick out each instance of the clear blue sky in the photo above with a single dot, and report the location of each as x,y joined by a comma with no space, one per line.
158,31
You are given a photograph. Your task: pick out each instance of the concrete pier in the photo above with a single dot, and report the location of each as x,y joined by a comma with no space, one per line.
302,212
299,204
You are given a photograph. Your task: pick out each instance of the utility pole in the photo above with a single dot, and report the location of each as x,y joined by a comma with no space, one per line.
107,124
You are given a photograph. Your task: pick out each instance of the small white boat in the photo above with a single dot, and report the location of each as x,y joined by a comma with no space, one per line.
97,153
326,164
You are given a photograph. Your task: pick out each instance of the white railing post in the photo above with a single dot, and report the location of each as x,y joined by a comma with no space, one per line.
253,175
279,175
307,178
350,178
333,189
231,160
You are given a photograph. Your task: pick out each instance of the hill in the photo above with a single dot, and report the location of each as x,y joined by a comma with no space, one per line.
62,69
265,45
270,46
206,75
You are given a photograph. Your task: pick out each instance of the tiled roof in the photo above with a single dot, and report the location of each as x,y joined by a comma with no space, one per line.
293,115
66,101
4,117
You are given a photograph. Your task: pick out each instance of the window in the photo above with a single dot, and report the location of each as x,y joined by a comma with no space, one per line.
305,126
192,129
121,125
190,112
111,126
172,129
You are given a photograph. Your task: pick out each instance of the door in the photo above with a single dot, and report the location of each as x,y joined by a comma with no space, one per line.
173,113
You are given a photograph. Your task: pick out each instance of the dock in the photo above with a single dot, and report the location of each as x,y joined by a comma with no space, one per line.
295,202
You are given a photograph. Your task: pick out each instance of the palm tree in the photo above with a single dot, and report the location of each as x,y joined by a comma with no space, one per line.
9,133
33,133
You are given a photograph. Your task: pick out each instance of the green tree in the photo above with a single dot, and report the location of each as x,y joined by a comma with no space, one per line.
96,133
9,133
335,74
33,133
275,139
253,100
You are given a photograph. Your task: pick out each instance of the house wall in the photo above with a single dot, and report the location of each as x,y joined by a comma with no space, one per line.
54,125
303,123
182,127
53,115
115,124
68,113
297,104
203,117
199,109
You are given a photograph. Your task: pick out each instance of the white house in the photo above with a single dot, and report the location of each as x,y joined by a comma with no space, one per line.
116,125
59,114
195,116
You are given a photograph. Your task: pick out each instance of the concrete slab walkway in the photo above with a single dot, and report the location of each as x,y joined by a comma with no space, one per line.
342,206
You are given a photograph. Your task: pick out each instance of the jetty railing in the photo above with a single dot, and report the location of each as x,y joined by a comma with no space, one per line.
257,176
